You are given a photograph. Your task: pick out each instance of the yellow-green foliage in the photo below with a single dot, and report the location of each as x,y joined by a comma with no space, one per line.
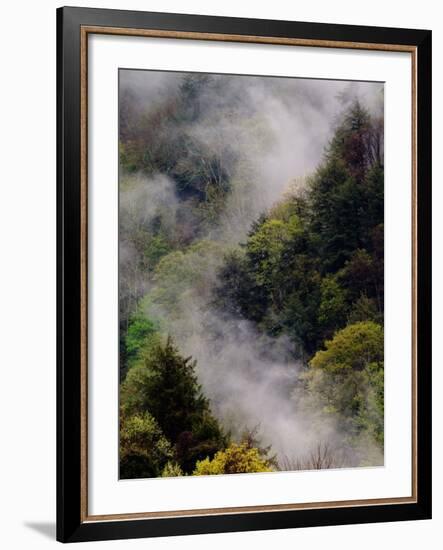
353,348
348,379
266,245
144,450
172,469
182,273
236,459
140,434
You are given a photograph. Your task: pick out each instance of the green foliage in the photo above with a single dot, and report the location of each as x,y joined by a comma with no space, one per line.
365,309
236,459
144,450
334,198
300,298
172,469
164,383
266,245
352,348
347,378
372,213
140,329
346,195
237,292
182,272
333,306
157,247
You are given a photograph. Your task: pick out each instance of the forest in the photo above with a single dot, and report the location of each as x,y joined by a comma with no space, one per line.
251,270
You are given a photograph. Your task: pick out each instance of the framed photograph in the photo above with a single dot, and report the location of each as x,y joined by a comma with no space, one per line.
244,274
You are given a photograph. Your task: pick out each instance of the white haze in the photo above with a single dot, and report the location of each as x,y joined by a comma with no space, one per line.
280,128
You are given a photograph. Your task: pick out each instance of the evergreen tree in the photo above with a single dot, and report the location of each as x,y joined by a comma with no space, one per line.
165,384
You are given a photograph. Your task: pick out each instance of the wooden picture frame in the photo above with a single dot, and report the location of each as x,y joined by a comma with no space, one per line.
74,25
